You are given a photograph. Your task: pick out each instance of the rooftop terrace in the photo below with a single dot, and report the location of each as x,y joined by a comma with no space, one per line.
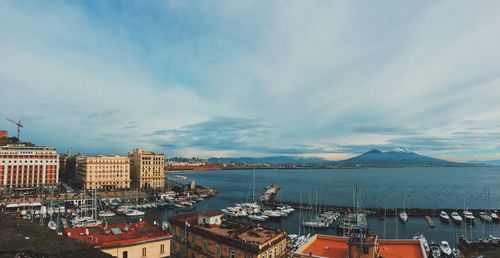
230,230
334,246
118,234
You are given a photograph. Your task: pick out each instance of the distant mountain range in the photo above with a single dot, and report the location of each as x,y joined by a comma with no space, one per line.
399,157
269,160
495,162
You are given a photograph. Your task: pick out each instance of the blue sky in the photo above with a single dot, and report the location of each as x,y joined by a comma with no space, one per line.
254,78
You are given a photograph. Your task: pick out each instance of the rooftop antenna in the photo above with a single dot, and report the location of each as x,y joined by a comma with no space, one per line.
19,125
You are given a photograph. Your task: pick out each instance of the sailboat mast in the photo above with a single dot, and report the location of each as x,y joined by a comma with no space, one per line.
253,189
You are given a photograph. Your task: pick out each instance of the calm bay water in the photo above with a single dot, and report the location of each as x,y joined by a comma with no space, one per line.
417,187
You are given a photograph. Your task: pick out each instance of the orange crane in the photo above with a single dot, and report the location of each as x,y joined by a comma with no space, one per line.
19,125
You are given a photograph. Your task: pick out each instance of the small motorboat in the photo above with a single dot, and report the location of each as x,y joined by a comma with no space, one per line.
403,216
469,217
494,216
134,213
443,216
445,247
258,217
106,214
271,214
52,225
435,250
456,217
485,217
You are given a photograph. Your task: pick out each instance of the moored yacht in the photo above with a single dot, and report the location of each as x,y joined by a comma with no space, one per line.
315,224
257,217
106,214
443,216
494,216
403,216
271,214
485,217
469,217
52,225
445,247
456,217
435,250
134,213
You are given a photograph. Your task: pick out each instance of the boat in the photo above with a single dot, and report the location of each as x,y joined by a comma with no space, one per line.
257,217
134,213
468,216
435,250
456,217
485,217
271,214
403,216
316,224
443,216
445,247
89,222
424,242
106,214
52,225
494,216
235,211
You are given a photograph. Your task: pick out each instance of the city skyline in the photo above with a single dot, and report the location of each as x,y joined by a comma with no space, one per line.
326,79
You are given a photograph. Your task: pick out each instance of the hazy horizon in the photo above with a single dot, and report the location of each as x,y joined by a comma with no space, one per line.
254,78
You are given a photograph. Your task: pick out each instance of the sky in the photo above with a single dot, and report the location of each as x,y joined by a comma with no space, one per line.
253,78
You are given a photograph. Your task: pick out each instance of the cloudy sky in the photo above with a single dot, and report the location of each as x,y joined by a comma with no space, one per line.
254,78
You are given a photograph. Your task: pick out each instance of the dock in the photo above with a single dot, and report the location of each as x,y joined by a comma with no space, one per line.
268,198
430,221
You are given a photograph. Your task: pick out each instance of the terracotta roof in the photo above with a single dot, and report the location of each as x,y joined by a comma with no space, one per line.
326,246
334,246
398,248
100,237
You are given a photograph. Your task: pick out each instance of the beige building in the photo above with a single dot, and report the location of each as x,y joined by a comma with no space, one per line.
27,167
140,239
103,172
147,169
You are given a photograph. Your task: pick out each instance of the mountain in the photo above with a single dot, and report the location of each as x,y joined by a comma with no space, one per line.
400,157
495,162
269,160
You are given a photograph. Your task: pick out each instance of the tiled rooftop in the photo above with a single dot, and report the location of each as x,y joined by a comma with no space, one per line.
334,246
118,234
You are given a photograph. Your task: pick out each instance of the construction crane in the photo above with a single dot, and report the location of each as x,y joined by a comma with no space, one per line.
19,125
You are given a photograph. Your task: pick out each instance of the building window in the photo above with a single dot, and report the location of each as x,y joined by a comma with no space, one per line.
125,254
263,256
270,254
232,254
162,248
144,251
365,249
205,244
218,250
193,240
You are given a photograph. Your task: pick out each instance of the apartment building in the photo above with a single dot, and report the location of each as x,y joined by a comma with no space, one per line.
147,169
103,172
